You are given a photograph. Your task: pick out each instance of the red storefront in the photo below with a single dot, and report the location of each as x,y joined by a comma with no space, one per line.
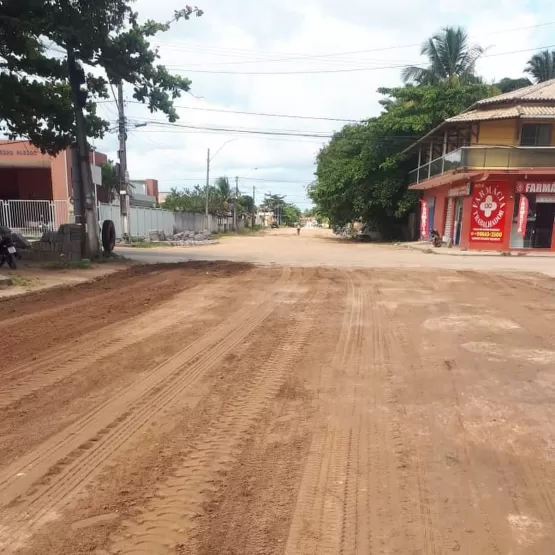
493,212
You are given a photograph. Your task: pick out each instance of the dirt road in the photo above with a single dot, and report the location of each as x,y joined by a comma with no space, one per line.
223,409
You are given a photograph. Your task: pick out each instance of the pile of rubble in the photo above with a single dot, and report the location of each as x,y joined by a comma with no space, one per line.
184,238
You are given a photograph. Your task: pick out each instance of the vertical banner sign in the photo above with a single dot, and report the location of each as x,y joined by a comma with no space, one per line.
489,213
522,221
423,219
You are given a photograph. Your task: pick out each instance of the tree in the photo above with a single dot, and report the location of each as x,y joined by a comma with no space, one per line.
102,34
110,180
361,173
508,85
223,188
291,215
246,204
36,100
541,66
452,60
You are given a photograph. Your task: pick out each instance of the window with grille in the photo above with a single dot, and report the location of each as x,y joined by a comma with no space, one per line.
536,134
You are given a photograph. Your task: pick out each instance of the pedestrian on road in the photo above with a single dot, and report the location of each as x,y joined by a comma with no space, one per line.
298,229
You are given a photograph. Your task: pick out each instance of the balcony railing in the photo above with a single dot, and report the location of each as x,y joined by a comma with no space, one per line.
486,158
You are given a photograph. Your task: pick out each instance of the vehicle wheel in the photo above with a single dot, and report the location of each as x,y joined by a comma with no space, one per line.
108,235
11,262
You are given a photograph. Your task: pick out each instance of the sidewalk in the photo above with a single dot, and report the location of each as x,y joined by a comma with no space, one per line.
428,248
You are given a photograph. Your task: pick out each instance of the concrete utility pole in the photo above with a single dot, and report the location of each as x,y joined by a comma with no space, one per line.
207,187
235,228
253,206
90,244
123,173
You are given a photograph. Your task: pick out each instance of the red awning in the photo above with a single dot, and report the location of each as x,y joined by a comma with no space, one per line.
449,179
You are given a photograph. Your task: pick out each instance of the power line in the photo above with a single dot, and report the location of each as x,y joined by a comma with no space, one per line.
343,70
284,133
298,56
175,179
292,133
302,72
252,113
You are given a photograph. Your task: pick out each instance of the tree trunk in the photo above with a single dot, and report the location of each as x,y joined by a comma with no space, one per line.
89,218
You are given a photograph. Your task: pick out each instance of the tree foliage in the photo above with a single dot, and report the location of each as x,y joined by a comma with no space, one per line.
110,180
541,66
508,85
286,213
105,38
451,59
220,199
362,172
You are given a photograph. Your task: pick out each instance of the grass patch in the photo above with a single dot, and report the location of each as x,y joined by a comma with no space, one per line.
148,244
20,281
257,229
62,264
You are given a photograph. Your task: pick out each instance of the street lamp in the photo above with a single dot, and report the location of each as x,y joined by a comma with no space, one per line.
237,196
208,161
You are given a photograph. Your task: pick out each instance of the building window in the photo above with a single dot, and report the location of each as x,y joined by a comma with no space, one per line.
536,134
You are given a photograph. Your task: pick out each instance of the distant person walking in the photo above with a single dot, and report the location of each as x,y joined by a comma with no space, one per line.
298,229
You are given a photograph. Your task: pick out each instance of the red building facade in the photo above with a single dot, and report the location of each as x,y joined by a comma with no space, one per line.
488,175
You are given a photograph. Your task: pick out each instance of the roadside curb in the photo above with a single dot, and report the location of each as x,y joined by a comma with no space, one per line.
446,252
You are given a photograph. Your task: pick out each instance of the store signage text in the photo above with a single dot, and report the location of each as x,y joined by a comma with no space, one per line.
489,213
19,153
522,220
462,191
423,219
522,187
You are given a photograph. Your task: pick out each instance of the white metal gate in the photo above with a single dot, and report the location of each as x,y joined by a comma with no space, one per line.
32,217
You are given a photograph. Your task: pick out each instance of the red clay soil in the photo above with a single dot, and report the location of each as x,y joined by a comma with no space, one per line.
221,409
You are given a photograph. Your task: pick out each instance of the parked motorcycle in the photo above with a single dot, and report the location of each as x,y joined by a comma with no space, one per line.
8,252
436,239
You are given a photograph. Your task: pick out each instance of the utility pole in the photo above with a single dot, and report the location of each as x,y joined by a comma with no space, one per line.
207,186
235,228
253,206
90,244
123,173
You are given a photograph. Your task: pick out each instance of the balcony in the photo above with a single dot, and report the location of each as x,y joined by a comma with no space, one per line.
486,158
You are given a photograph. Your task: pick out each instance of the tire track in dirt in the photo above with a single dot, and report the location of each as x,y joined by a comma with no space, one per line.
166,524
396,505
325,520
28,378
364,489
498,287
523,482
441,523
72,458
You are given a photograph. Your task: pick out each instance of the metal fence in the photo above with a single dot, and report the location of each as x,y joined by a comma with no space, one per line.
32,218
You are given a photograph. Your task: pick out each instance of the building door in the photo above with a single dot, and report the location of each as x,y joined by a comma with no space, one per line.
545,216
458,221
449,213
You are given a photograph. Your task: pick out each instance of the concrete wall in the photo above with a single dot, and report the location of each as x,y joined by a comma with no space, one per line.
144,220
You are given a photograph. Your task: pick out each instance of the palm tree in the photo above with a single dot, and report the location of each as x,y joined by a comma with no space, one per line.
452,60
223,188
541,66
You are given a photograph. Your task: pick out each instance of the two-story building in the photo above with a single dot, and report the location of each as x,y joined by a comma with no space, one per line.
488,174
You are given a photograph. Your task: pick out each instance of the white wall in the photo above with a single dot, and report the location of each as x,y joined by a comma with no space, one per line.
144,220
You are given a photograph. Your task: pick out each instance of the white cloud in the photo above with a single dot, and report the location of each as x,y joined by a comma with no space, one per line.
231,34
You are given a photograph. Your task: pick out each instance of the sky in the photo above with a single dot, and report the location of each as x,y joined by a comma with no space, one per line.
290,58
